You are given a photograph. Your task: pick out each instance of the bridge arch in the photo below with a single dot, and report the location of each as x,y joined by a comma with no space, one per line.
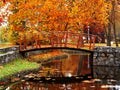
27,53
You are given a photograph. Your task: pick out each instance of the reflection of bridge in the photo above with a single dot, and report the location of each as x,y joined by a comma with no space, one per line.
61,39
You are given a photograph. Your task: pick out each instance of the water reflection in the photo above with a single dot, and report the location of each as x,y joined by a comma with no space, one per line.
75,65
59,74
84,85
69,74
107,72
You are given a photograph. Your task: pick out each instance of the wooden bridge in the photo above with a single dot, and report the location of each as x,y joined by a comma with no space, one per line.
60,39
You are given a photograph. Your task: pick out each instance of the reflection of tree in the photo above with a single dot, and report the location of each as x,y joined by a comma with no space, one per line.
84,66
80,64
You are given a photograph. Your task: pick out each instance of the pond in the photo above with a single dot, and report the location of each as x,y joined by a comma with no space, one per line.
62,64
71,72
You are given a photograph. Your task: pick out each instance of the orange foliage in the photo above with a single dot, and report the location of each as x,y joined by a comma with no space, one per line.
3,2
56,15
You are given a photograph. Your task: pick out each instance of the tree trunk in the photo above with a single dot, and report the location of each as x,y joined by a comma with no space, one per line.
114,25
114,31
109,35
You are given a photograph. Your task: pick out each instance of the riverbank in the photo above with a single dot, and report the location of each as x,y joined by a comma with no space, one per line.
15,71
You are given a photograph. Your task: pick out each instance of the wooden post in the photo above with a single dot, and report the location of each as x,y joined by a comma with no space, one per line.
80,40
90,41
20,43
66,33
51,39
25,42
93,43
39,44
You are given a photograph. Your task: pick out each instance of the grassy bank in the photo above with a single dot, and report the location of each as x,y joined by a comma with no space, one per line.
16,66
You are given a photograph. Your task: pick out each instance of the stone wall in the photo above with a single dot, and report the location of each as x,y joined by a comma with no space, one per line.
108,56
8,54
106,72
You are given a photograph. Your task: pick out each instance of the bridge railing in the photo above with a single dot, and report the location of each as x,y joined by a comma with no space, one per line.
61,39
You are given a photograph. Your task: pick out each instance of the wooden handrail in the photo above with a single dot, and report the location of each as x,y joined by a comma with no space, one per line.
61,39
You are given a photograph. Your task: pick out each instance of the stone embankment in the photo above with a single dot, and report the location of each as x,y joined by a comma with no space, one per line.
107,56
8,54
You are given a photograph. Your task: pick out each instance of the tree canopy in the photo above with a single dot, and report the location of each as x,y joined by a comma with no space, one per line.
35,16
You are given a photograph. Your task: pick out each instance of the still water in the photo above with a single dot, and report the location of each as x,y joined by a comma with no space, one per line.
73,72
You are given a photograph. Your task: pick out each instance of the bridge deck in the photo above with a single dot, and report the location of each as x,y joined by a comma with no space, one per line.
31,48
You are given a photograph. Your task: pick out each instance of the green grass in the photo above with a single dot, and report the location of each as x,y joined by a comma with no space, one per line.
1,52
17,66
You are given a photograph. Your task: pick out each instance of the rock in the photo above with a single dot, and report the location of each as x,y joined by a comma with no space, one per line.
15,79
107,56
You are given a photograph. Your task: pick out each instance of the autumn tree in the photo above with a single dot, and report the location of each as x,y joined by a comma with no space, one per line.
94,13
110,29
112,19
31,17
3,10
